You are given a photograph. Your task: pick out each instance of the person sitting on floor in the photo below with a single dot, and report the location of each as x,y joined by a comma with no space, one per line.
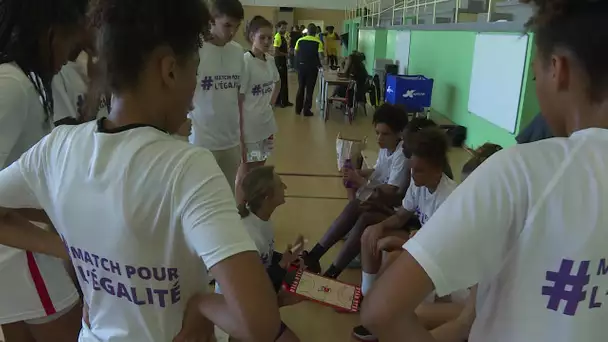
385,180
263,192
379,252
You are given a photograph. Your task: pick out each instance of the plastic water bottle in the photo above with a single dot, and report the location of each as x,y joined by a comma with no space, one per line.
348,164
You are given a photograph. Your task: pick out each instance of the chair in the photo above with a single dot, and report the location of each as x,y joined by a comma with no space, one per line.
349,101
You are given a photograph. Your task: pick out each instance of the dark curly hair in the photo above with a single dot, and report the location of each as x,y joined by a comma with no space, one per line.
480,155
22,24
254,25
392,116
581,28
128,30
430,144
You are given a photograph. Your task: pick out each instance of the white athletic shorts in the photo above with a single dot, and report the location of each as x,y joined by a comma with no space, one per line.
33,287
259,151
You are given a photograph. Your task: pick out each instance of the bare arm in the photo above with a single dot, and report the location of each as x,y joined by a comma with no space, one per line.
248,308
36,215
18,232
398,220
446,260
247,313
394,327
458,330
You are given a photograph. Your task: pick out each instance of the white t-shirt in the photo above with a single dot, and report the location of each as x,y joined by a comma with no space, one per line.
69,90
390,167
421,201
262,233
215,118
529,225
137,218
23,123
257,84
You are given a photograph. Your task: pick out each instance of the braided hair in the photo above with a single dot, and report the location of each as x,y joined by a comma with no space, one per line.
579,27
22,24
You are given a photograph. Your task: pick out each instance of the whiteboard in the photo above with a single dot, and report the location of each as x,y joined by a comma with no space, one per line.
402,51
496,81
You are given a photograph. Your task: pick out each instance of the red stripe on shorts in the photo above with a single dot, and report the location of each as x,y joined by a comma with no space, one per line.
43,293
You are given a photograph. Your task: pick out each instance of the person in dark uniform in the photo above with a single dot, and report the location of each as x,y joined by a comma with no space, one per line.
296,33
280,58
309,50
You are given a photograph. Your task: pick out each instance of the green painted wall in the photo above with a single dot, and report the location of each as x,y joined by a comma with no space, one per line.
367,46
373,44
352,27
391,48
447,57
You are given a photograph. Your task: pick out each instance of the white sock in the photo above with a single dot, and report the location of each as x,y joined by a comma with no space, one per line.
367,280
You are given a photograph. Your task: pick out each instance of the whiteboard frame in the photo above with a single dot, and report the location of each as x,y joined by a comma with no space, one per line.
403,42
506,49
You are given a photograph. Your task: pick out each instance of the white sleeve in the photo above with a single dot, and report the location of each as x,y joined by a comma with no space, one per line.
469,236
410,201
14,109
19,181
209,216
14,189
245,77
397,175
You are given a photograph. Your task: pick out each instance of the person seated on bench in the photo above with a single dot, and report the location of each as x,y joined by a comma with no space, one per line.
385,180
381,245
416,125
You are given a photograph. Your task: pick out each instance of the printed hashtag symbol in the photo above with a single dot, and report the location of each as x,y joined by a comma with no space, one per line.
207,83
256,90
567,287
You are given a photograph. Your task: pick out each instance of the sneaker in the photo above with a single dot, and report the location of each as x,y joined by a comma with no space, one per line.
312,265
362,334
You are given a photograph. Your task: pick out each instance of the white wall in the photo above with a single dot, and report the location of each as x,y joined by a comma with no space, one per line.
324,4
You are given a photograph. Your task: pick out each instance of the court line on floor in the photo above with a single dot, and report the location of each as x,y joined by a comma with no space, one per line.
316,197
